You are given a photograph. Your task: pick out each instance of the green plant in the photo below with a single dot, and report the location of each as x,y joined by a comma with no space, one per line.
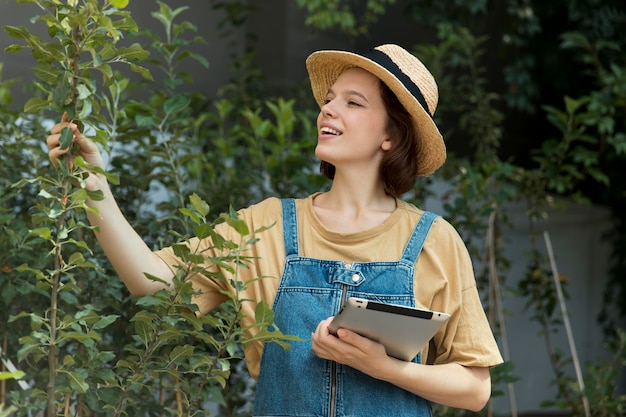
601,389
480,188
172,345
590,139
266,151
343,15
580,159
78,333
64,76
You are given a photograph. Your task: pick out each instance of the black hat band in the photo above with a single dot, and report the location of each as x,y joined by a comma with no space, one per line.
383,60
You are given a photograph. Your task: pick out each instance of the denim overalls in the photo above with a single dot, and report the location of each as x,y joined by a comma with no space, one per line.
295,382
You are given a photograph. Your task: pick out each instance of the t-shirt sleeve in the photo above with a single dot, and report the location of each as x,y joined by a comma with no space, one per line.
467,337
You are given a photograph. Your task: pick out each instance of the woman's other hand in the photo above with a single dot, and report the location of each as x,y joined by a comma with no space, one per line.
349,348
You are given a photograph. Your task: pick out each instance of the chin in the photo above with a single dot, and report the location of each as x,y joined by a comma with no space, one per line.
320,154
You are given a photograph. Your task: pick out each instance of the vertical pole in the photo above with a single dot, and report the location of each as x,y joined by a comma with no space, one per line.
566,322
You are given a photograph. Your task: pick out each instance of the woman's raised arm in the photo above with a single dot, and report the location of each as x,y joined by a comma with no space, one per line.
126,250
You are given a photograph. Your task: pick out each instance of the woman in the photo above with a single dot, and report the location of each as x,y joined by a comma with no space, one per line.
375,136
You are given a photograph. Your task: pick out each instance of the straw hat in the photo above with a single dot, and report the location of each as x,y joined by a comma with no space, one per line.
405,75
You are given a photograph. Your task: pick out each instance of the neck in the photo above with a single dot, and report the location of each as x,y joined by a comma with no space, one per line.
357,193
352,209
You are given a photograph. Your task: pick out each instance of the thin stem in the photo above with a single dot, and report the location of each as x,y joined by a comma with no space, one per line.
3,384
58,245
494,280
54,293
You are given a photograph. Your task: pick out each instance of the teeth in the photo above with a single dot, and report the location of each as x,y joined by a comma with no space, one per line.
330,131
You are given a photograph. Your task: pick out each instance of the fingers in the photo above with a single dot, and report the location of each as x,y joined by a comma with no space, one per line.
53,141
328,346
347,347
322,327
65,122
54,149
56,131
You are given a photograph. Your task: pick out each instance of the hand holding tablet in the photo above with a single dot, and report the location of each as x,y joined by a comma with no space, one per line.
402,330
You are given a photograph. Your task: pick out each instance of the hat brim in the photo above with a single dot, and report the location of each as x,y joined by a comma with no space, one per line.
324,67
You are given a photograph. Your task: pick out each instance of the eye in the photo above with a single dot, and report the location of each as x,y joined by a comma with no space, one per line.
354,103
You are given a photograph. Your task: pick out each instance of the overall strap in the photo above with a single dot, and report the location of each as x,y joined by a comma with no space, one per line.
290,226
416,242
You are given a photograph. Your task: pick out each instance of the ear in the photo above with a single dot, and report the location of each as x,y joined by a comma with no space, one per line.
386,144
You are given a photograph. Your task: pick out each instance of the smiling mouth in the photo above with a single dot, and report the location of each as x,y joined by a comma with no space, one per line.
329,131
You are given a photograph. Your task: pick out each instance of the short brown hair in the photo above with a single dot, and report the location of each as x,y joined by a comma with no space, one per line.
398,168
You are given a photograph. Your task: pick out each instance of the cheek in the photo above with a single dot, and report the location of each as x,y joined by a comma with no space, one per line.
378,126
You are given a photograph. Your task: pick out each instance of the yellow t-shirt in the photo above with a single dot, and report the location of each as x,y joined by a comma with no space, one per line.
444,278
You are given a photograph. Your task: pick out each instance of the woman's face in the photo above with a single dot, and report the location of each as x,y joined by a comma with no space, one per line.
352,123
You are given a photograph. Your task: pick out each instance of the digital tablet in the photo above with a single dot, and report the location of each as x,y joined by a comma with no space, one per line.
402,330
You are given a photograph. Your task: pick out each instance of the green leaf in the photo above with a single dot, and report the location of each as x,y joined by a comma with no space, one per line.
77,382
145,73
231,348
14,48
572,105
45,194
199,204
19,32
76,258
145,121
12,375
33,105
85,111
264,315
239,225
191,215
176,104
42,232
144,329
180,353
62,94
181,250
68,361
199,58
135,52
120,4
107,72
105,321
67,135
106,52
105,374
47,73
78,336
83,91
574,40
29,349
149,300
112,178
203,231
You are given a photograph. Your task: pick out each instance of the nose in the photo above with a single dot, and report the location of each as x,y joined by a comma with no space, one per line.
328,109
